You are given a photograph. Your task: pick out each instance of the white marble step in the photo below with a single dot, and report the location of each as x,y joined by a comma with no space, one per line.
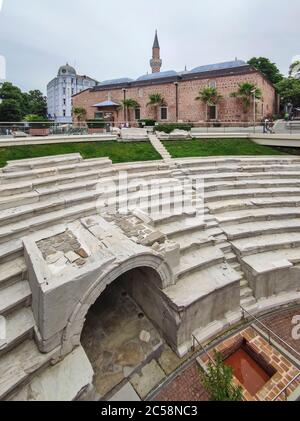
241,204
272,260
257,215
31,163
178,227
18,229
251,229
243,176
193,239
246,293
250,184
236,160
95,187
248,302
251,193
197,285
82,167
11,272
87,178
231,257
244,283
18,213
264,243
15,296
19,327
18,366
11,250
198,259
226,168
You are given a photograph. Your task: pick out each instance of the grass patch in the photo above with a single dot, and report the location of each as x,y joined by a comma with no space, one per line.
117,152
217,147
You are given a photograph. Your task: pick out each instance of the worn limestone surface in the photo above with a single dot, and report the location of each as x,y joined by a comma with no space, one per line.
69,229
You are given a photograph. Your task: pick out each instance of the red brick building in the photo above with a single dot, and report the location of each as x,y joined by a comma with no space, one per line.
179,90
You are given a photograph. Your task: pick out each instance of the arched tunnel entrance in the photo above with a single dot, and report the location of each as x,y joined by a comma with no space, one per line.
120,336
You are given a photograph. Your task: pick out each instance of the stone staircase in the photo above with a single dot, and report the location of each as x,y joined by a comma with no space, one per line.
156,143
255,202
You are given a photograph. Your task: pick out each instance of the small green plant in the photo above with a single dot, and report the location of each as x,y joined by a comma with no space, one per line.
97,123
169,128
218,381
37,122
146,122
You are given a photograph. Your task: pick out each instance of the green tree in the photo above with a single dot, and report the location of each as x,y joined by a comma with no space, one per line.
294,67
218,381
155,101
269,69
9,91
245,94
36,103
209,96
289,91
129,104
10,111
32,102
79,113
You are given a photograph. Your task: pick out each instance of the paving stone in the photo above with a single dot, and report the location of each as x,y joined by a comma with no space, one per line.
151,376
126,394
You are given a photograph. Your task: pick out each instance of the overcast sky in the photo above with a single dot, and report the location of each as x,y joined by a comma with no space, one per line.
113,38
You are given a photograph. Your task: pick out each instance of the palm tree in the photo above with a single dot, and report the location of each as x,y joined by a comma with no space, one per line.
246,93
155,101
209,96
294,68
79,113
129,104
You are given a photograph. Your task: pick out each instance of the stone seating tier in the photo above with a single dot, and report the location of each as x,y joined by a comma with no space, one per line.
242,248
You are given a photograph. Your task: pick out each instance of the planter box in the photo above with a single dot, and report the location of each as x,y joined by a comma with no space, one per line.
39,132
95,131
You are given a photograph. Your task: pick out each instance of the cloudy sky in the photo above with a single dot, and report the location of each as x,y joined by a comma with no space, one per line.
108,39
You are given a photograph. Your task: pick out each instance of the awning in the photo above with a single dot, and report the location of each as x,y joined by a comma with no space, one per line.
107,104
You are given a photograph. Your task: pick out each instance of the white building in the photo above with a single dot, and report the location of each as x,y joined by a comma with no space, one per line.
60,91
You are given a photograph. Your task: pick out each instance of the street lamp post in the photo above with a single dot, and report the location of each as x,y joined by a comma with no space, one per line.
254,108
177,103
125,108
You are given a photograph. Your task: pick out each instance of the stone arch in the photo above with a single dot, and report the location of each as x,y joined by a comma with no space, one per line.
73,330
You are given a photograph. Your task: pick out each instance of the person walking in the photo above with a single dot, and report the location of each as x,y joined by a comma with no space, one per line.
266,125
271,126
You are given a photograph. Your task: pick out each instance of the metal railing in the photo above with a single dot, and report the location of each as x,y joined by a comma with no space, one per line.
203,349
271,333
7,129
285,389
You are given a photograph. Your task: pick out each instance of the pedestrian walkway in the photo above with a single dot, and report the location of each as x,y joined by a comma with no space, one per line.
159,147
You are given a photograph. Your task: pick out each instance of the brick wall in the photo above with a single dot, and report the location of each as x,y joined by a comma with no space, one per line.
228,110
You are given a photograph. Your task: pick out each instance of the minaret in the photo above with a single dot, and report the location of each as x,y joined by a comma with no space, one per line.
156,61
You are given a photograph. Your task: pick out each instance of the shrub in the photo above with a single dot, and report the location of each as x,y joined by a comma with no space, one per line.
218,381
169,128
37,122
146,122
97,123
